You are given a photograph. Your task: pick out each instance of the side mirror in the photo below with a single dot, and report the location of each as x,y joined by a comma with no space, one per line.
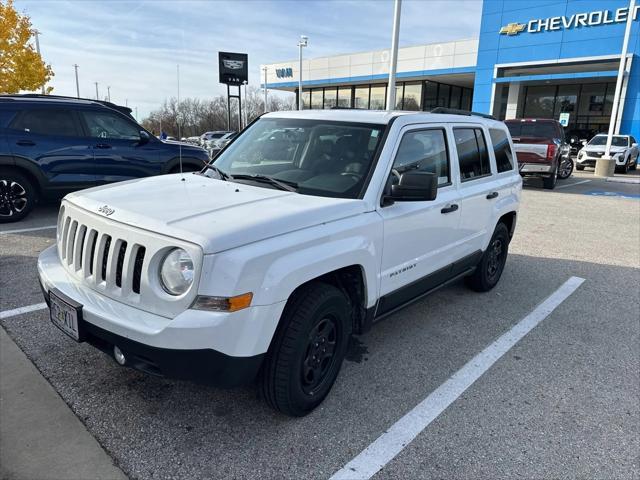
634,144
144,138
415,187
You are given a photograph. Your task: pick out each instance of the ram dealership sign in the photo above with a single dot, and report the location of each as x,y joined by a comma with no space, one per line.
568,22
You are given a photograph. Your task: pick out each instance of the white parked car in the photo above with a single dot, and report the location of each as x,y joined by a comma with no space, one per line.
309,227
624,149
207,136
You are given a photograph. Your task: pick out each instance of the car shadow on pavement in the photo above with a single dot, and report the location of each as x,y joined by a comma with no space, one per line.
160,428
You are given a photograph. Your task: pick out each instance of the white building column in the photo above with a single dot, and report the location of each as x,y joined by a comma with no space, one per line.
512,101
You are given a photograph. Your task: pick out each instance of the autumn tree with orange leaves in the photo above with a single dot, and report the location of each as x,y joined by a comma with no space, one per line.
21,68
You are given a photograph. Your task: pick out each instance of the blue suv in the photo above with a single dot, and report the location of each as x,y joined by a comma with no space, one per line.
52,145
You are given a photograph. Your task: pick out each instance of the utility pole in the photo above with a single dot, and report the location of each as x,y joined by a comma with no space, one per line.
246,115
393,60
304,41
109,93
136,113
37,35
75,66
97,96
265,88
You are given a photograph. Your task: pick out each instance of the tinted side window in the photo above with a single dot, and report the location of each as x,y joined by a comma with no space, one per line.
425,151
47,122
501,149
633,140
108,125
472,153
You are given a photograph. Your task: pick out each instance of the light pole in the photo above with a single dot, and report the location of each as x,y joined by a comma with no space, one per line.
97,96
304,41
75,66
264,69
393,60
246,115
605,165
37,35
109,93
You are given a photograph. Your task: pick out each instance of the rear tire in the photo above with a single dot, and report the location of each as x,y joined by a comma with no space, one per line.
307,351
549,183
489,270
566,169
18,196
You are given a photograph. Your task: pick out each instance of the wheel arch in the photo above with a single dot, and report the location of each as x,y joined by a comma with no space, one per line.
173,165
26,168
509,219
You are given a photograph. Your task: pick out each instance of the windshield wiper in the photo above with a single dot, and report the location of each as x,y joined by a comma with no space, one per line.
223,176
290,187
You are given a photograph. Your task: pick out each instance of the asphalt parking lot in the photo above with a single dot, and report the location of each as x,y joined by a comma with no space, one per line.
563,402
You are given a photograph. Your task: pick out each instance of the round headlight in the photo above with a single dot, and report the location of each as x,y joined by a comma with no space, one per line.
176,272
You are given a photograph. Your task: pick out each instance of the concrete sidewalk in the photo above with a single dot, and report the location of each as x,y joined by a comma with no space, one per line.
40,437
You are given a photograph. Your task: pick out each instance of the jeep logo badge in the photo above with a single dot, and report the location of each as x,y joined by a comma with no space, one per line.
106,210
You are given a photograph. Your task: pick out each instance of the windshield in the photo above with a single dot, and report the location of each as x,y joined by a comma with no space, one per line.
316,157
615,141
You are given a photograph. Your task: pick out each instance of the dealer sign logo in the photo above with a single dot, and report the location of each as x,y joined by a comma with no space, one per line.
568,22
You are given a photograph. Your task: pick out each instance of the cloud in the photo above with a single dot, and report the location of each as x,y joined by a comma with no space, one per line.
134,47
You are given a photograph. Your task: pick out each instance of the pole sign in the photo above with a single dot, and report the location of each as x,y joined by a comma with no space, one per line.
233,68
564,119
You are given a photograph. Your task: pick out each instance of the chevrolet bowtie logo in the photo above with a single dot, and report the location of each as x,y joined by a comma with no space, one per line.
512,29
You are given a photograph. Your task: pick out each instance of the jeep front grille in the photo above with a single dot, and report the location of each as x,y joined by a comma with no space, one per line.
114,267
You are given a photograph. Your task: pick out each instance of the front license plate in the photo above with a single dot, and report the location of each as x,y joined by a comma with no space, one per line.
65,316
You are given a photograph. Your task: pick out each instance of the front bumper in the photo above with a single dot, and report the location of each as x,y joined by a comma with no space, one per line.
212,347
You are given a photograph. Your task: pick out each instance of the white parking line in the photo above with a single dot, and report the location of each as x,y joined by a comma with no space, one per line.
48,227
572,184
373,458
21,310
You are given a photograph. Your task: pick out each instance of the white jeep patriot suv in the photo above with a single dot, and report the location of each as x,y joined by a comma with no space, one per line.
306,229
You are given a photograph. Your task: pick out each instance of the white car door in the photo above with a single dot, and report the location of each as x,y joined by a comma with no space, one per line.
420,237
477,189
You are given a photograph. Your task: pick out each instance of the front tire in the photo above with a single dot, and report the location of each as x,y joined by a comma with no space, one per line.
18,196
489,270
307,351
566,169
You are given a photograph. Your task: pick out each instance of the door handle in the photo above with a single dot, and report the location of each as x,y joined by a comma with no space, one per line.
26,143
492,195
103,145
449,209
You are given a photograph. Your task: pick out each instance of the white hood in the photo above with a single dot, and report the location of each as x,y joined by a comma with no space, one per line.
214,214
601,148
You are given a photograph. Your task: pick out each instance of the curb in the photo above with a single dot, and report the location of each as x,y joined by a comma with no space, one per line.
634,181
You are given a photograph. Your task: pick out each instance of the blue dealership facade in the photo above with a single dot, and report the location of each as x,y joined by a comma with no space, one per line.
533,58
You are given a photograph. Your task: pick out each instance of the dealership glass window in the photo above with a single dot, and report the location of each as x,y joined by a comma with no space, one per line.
330,97
592,99
465,101
316,98
539,101
443,95
608,98
424,151
399,89
412,96
344,97
430,100
500,108
306,98
472,153
377,99
501,149
361,97
566,100
456,92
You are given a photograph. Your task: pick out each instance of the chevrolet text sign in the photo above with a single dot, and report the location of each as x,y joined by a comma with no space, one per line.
567,22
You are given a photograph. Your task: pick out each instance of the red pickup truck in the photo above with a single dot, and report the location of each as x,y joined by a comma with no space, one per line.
541,149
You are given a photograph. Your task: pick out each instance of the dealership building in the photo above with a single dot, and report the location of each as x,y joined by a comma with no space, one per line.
533,58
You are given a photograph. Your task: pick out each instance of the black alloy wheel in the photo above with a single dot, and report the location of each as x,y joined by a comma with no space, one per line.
566,169
320,355
17,196
490,268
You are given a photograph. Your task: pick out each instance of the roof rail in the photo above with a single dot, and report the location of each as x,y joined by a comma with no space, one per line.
120,108
455,111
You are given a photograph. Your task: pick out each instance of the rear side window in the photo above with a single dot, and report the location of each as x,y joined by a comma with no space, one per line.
501,149
6,115
424,151
472,153
47,122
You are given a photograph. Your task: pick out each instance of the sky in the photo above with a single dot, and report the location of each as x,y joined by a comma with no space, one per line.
134,46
